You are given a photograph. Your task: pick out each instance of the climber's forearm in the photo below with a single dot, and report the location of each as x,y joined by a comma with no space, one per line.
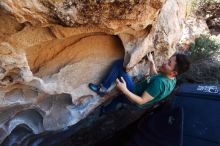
153,69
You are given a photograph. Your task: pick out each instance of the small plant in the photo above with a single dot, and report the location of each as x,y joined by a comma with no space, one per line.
203,47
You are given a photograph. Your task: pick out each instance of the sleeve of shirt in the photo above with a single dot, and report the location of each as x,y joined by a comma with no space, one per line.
155,88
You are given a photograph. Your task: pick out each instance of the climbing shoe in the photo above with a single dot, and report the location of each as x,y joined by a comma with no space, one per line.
97,89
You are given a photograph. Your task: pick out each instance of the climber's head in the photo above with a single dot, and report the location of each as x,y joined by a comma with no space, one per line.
175,65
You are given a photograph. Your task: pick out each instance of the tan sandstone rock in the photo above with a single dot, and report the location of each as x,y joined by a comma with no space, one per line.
51,49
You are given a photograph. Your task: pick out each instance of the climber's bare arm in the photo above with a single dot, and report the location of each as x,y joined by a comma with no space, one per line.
131,96
153,69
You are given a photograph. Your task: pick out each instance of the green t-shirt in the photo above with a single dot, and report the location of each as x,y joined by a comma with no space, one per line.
158,86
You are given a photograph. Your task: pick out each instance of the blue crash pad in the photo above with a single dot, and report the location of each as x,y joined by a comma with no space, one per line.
201,106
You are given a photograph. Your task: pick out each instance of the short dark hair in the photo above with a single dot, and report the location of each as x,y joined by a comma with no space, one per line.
183,63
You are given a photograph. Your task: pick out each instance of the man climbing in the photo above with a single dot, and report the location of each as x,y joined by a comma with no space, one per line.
150,90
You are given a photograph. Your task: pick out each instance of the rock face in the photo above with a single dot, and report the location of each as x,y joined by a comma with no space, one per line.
51,49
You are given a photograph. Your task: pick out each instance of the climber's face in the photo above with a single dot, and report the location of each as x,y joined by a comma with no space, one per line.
168,67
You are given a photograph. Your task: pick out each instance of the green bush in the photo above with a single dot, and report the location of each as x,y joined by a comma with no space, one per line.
203,47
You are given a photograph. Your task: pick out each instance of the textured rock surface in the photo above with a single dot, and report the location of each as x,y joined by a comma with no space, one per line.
50,50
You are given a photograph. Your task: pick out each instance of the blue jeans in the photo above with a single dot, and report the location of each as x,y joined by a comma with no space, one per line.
117,71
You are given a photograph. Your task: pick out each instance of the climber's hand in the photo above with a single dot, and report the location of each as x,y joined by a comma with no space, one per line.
121,84
150,58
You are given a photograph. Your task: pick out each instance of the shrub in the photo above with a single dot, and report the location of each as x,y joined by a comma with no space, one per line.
203,47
